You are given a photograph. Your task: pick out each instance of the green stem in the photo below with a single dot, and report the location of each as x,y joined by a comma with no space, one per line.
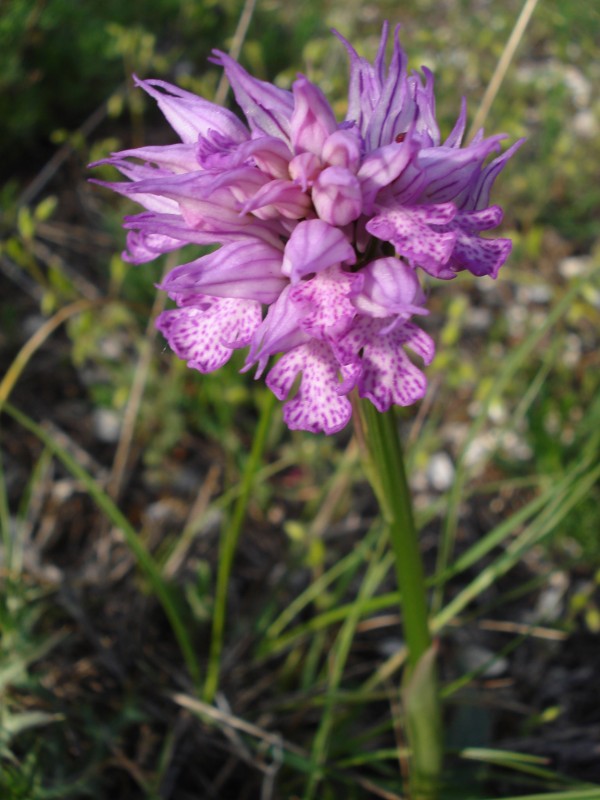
386,471
230,535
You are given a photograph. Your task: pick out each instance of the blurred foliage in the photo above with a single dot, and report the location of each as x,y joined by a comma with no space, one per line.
88,48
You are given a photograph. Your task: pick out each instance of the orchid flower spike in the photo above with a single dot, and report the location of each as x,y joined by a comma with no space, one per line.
324,228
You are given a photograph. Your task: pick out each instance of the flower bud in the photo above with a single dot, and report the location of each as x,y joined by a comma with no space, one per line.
342,149
390,287
337,196
312,120
304,169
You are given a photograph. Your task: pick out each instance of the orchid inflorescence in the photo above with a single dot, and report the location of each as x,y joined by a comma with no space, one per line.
326,224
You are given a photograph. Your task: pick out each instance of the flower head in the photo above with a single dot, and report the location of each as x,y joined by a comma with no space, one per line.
323,227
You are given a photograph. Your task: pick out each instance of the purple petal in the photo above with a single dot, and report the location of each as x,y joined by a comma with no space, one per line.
313,120
391,114
172,157
365,82
202,199
279,198
313,246
279,332
426,123
449,171
247,269
389,287
408,229
383,166
317,406
471,252
174,226
268,109
479,195
144,247
458,131
192,116
149,200
388,375
480,256
337,196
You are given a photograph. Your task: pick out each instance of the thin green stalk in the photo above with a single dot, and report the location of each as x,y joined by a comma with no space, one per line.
230,535
420,692
347,565
392,491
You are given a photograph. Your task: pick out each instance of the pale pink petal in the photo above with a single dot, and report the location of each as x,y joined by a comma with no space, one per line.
337,196
279,198
304,169
389,287
206,333
325,302
388,375
343,149
143,247
317,406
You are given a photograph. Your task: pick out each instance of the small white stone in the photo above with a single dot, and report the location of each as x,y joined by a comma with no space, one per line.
538,293
107,425
475,657
574,266
550,604
440,471
585,124
497,412
479,449
478,319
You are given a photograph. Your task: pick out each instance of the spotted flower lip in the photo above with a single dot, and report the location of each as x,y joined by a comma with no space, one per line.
325,228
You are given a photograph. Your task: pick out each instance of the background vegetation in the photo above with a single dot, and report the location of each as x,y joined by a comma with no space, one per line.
120,468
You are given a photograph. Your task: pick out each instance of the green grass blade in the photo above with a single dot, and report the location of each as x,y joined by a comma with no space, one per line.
532,535
319,586
504,530
512,363
376,572
143,557
230,535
